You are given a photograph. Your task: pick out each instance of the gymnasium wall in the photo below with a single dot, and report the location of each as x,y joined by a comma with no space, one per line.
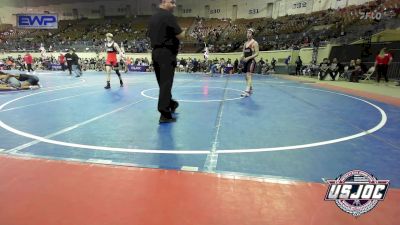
185,8
367,53
225,9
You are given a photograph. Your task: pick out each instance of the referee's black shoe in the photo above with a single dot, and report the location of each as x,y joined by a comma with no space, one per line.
174,106
164,119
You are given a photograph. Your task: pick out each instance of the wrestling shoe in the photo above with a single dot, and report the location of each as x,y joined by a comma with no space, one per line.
108,86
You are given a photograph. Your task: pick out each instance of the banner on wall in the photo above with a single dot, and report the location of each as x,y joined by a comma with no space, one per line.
55,67
37,21
134,68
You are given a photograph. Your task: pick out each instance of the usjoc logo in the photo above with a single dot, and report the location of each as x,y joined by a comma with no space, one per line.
356,192
38,21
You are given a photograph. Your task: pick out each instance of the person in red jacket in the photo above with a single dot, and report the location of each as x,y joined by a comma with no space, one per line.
382,62
28,60
61,59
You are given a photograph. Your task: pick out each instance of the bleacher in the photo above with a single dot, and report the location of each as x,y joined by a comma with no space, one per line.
334,26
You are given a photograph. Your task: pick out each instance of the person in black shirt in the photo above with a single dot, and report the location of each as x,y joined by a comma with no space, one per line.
359,70
20,63
195,65
183,64
68,58
334,69
235,66
76,69
262,62
273,64
350,68
324,69
299,65
165,33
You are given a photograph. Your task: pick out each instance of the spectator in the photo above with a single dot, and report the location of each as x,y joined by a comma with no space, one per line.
61,60
262,62
287,62
182,65
360,69
235,66
334,69
382,62
222,65
273,64
324,69
299,65
20,63
10,63
195,65
350,68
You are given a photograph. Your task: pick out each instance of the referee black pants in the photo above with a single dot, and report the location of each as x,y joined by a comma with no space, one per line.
164,61
29,67
69,66
381,70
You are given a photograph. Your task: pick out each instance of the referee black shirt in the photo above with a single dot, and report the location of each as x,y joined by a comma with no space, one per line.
75,59
163,29
68,57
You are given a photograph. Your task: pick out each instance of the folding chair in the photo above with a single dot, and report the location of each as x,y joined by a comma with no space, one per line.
368,74
343,75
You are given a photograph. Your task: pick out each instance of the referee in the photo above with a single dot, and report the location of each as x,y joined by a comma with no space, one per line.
76,68
165,33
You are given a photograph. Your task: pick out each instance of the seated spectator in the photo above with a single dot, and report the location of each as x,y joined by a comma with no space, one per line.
265,68
215,67
360,69
182,65
262,62
311,70
195,65
334,69
258,69
229,63
10,63
241,67
222,65
189,68
349,70
324,69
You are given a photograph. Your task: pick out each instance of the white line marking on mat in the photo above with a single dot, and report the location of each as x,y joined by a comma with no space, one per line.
282,148
18,148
